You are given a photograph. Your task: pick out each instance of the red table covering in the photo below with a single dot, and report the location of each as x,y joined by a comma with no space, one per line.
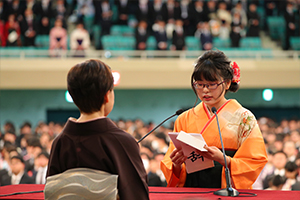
160,193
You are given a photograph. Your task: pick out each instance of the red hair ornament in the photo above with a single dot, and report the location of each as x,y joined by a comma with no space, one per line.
236,73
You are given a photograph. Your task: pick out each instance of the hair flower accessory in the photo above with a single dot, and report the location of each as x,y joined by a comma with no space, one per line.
236,73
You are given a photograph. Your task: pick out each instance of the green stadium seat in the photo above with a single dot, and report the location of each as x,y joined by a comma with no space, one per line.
295,43
250,42
221,43
122,30
112,42
276,25
151,43
42,41
192,43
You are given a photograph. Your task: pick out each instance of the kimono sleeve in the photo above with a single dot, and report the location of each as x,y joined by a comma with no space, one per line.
167,165
250,157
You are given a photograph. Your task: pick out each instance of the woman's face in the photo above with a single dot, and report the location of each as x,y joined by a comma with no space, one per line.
212,97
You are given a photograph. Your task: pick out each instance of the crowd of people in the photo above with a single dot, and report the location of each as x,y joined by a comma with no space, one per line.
25,152
170,21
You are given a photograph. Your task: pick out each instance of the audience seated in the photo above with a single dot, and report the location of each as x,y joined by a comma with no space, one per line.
80,40
58,38
141,35
18,173
280,173
99,16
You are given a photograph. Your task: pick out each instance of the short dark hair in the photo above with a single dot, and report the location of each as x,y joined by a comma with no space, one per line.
19,157
88,82
44,153
213,65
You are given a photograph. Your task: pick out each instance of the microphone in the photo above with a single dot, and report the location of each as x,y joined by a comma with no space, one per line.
228,191
178,112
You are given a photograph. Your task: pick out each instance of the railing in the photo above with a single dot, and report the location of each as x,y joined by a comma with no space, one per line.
257,54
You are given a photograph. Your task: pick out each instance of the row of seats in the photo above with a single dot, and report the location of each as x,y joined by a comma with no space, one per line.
112,42
116,42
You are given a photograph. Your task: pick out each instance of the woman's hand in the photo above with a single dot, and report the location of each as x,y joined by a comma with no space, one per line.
215,154
177,158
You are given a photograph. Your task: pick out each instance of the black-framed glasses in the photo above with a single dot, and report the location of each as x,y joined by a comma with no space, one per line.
211,86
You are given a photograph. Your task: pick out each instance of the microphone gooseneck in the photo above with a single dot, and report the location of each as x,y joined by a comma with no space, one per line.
178,112
228,191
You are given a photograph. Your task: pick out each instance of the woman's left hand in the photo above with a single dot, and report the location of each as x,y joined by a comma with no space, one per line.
215,154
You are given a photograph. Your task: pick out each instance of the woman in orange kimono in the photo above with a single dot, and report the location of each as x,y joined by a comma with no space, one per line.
245,150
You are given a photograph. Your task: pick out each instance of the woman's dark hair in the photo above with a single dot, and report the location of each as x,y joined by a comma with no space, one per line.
88,82
213,66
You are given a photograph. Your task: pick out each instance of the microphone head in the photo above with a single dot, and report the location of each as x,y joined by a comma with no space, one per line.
213,109
178,112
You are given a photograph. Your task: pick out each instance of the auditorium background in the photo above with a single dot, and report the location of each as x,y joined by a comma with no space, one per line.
42,40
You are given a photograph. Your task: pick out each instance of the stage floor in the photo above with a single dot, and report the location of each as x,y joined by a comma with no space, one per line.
159,193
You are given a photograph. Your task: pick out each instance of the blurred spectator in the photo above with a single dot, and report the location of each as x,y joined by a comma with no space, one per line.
173,10
3,10
9,126
204,34
12,32
238,8
42,162
253,21
223,14
186,8
28,28
146,161
80,40
224,32
159,29
19,175
124,8
58,38
212,9
85,9
159,144
236,30
289,148
276,182
270,7
141,36
178,39
25,129
30,4
153,177
279,161
144,12
10,136
291,172
16,8
6,151
159,10
103,16
33,149
44,12
290,20
200,12
60,11
295,137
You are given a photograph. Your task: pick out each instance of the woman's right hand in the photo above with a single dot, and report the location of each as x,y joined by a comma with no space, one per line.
177,158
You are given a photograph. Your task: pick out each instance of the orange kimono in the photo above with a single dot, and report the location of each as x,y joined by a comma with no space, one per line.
241,135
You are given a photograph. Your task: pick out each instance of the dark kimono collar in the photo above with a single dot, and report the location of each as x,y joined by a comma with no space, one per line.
90,127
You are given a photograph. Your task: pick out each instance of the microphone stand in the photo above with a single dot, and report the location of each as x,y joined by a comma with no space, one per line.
229,190
178,112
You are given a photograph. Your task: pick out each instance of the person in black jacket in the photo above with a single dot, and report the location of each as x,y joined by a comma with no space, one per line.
19,175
